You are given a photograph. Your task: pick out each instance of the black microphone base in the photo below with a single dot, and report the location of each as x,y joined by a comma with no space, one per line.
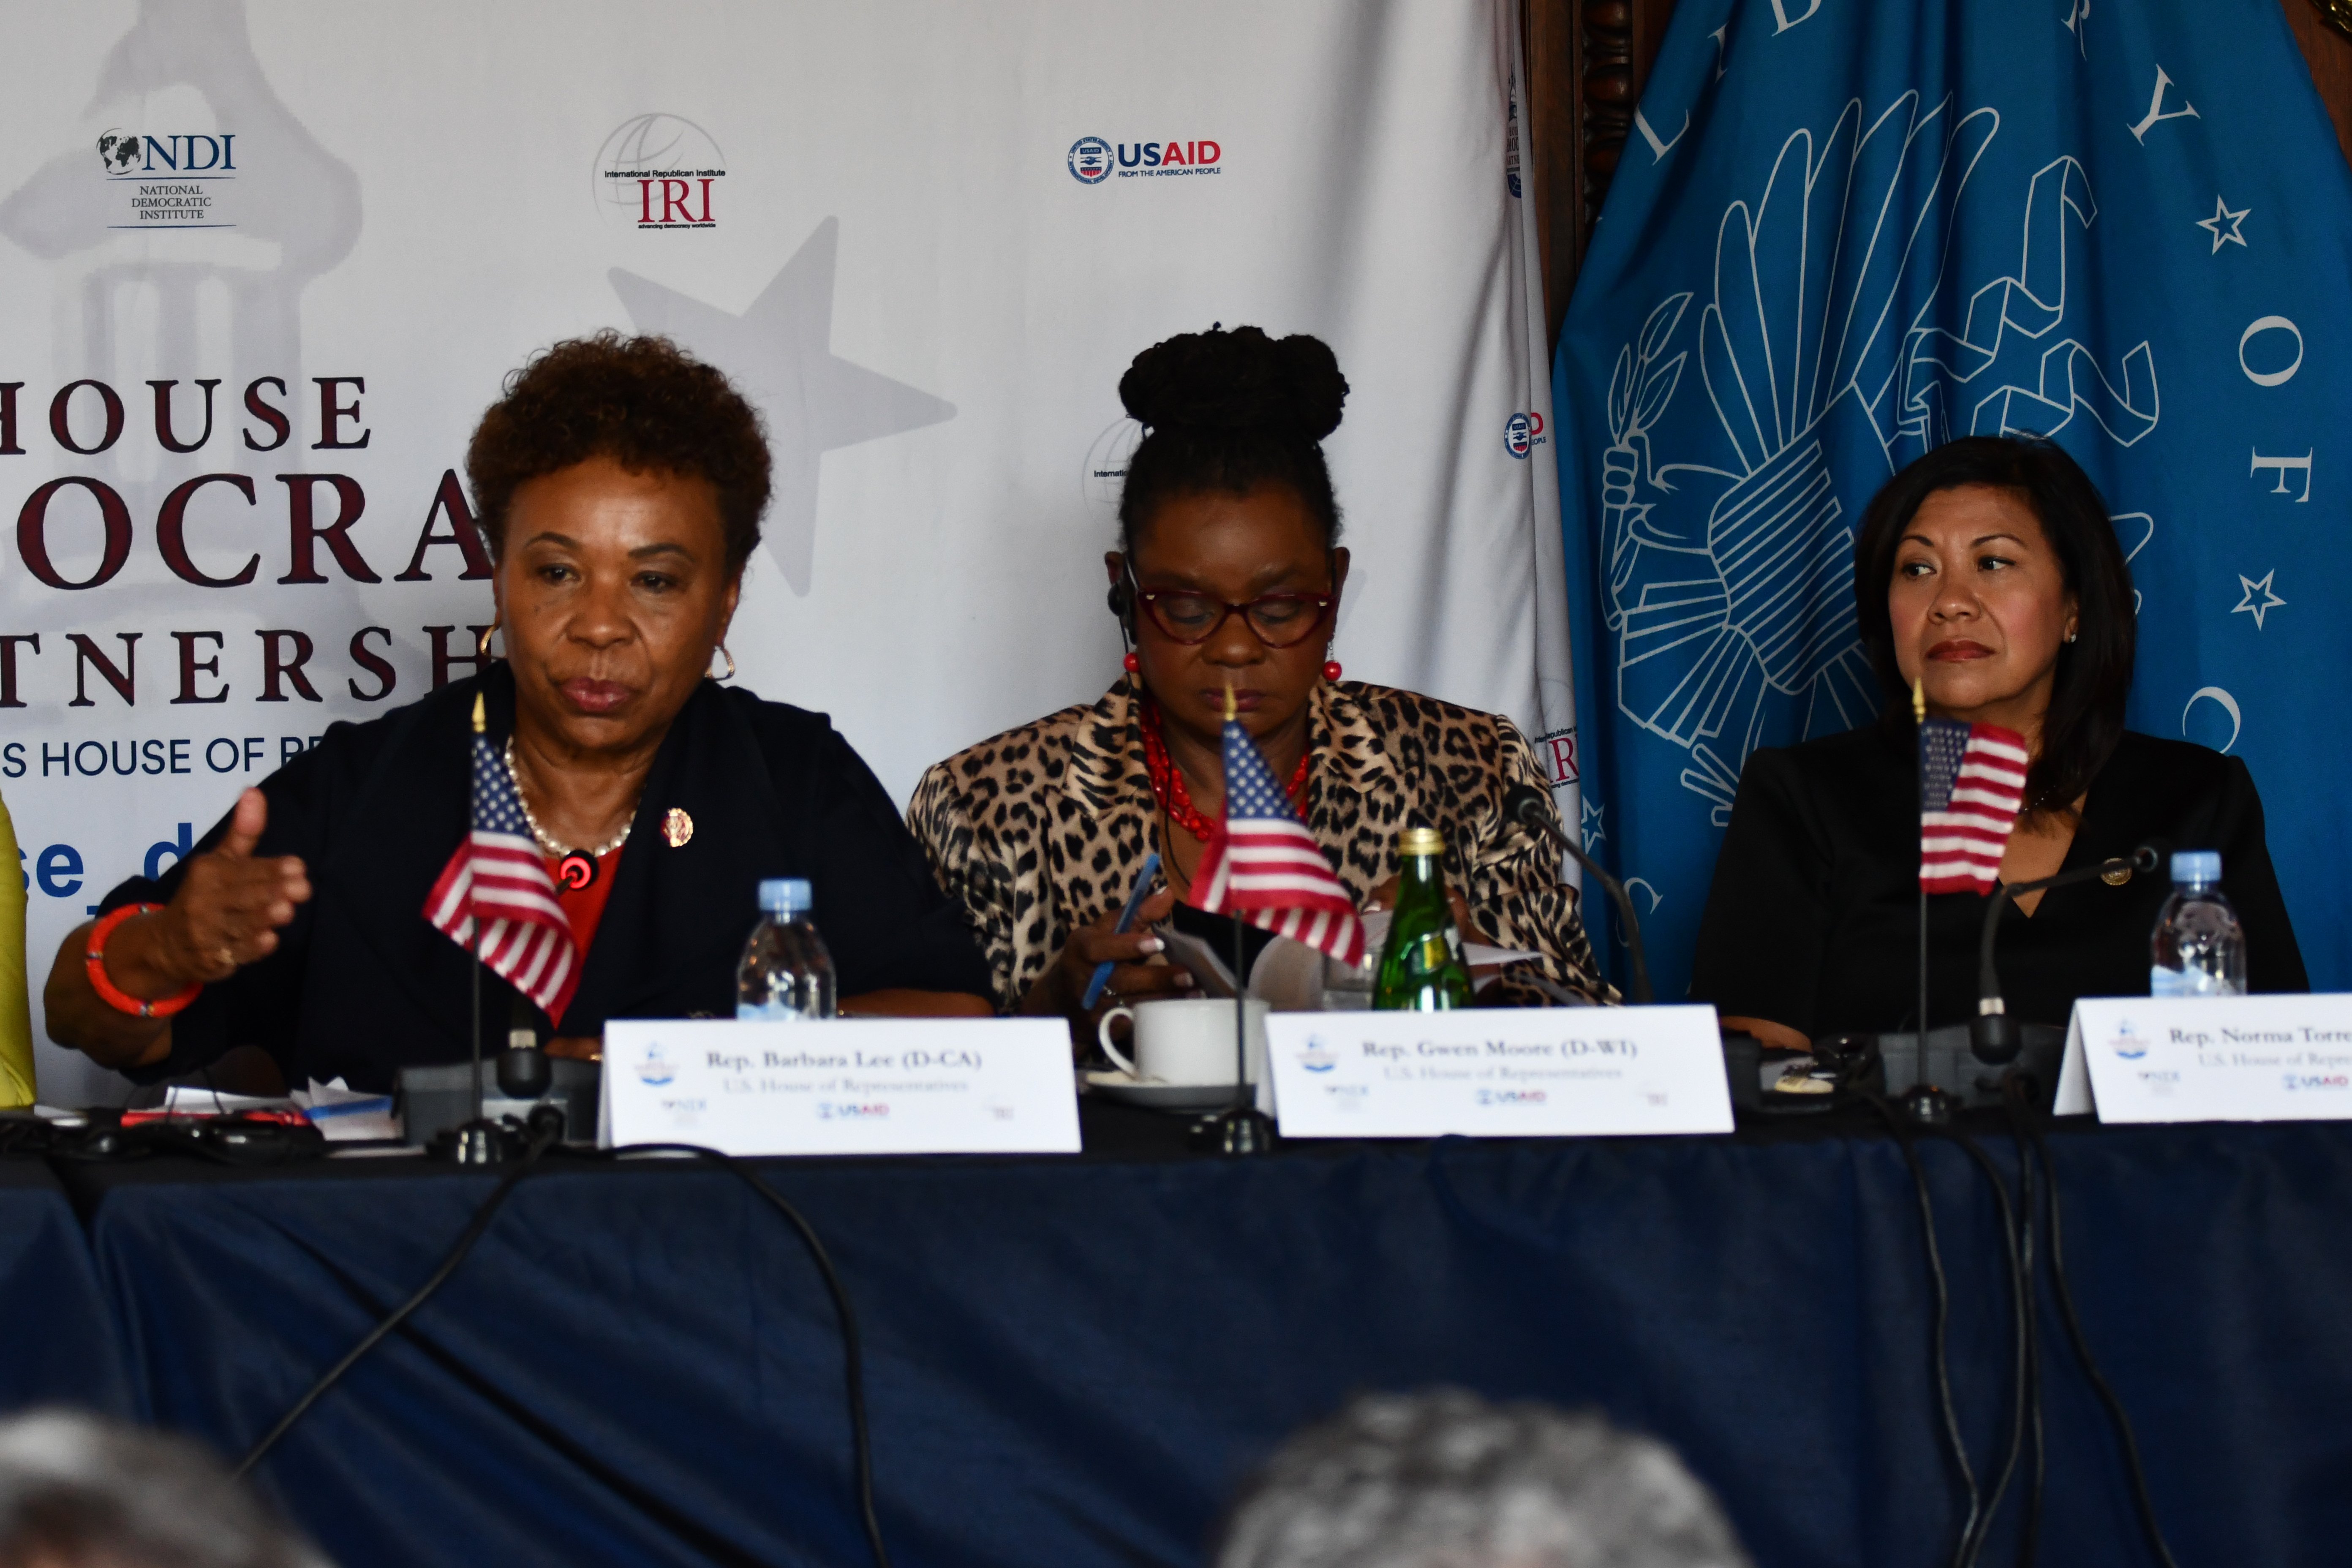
481,1142
1244,1130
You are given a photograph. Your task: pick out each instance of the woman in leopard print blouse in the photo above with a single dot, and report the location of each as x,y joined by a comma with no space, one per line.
1231,577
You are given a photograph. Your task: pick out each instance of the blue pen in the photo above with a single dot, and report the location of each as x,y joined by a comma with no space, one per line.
1095,987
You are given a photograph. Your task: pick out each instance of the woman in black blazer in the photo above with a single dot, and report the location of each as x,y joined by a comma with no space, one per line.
1988,571
620,486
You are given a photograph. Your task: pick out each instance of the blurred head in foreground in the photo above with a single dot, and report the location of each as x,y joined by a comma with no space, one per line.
79,1492
1445,1479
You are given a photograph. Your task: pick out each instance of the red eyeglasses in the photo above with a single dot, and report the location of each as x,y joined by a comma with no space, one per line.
1277,620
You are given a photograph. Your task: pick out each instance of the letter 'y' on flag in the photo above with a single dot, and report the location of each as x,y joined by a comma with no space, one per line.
1264,866
1971,787
498,876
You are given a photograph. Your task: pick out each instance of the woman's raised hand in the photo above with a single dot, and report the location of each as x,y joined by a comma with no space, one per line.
230,904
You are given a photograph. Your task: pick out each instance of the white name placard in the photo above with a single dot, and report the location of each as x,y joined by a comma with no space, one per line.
850,1085
2208,1059
1505,1073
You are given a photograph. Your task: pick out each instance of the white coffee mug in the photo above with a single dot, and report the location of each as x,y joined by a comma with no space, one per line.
1186,1041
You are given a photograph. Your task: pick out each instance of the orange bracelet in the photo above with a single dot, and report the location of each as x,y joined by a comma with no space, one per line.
94,964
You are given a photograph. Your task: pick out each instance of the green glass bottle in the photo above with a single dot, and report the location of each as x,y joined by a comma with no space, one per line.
1422,969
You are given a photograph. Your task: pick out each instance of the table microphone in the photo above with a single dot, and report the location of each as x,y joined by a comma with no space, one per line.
1994,1036
1531,808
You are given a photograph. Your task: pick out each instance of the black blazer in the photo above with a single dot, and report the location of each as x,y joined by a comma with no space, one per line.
362,985
1813,918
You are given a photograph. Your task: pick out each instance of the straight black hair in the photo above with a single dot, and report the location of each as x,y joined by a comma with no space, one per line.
2094,671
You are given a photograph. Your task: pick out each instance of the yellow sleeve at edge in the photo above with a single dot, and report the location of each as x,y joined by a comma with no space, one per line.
16,1004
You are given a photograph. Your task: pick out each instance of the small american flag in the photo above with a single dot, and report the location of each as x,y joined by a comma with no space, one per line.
1262,865
1971,787
498,870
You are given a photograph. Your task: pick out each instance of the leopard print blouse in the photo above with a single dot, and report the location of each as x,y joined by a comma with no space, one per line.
1040,829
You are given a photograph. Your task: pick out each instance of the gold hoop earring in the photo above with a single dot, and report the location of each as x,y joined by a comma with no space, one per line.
482,642
730,664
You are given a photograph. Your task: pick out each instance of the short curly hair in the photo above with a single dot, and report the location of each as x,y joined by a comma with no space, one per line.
643,402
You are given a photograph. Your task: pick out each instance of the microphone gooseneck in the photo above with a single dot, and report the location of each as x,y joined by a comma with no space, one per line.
1993,1036
1525,806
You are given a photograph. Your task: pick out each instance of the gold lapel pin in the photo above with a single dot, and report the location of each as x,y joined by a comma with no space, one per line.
678,827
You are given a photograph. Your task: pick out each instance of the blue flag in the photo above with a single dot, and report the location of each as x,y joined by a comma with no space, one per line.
1846,230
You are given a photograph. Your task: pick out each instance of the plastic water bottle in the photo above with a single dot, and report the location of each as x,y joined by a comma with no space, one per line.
2197,949
786,972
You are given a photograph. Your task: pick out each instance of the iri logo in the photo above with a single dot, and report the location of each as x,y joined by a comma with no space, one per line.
1522,433
1094,160
659,170
1090,160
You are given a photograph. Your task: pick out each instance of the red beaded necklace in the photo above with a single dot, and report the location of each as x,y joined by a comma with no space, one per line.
1167,779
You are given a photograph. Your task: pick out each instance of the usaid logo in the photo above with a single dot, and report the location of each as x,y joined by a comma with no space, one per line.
1090,160
1094,160
1522,433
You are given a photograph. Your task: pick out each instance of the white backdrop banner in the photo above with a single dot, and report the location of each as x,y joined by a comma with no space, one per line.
266,263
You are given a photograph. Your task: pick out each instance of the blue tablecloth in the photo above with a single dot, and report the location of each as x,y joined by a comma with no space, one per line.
57,1344
1074,1362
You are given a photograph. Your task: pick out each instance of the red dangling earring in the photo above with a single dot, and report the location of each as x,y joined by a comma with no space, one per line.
1133,664
1331,670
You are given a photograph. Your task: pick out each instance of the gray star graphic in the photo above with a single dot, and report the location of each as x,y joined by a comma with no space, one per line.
1593,828
2249,605
2222,214
779,353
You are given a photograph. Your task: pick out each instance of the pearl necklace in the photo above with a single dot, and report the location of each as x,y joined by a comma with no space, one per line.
547,842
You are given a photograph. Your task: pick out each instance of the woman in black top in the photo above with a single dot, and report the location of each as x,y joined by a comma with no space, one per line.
620,486
1987,570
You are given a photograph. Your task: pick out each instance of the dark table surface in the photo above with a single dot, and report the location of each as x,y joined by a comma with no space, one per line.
1075,1361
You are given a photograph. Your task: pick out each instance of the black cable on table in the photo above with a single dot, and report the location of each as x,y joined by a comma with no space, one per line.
1958,1448
2114,1407
1972,1543
400,1314
851,1353
2015,1090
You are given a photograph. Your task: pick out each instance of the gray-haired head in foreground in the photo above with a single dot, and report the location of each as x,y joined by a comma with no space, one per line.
79,1492
1445,1479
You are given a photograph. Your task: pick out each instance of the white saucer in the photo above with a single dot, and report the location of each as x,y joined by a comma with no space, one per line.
1118,1086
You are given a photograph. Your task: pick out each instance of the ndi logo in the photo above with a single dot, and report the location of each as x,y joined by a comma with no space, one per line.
1093,159
172,179
1090,160
127,154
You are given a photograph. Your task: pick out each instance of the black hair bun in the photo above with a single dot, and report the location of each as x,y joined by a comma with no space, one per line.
1239,380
